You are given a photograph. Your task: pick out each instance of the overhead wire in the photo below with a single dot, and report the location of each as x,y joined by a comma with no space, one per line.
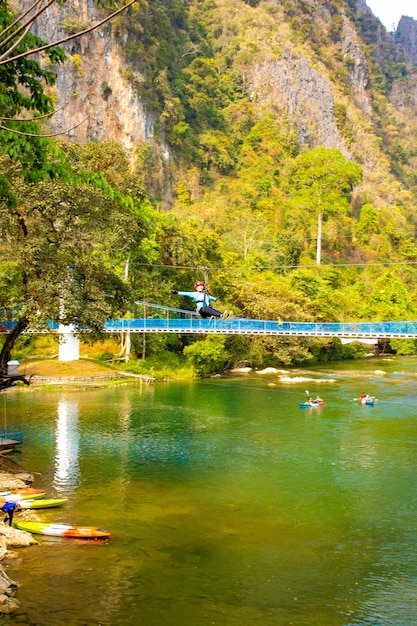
275,267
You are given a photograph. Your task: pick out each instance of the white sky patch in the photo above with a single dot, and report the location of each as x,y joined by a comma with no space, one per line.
391,11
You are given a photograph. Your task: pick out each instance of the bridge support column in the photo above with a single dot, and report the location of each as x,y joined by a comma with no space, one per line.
69,344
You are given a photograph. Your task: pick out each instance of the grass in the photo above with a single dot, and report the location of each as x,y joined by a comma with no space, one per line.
39,357
53,367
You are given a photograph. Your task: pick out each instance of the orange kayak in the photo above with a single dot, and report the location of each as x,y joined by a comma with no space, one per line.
23,493
20,496
62,530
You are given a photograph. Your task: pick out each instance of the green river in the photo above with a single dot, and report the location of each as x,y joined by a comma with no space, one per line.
228,504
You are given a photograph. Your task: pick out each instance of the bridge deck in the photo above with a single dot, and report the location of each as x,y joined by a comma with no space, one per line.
240,326
163,319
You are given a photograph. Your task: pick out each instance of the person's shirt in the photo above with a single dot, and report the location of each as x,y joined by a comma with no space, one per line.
201,298
9,506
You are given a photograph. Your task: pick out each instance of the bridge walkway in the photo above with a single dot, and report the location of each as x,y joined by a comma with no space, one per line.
163,319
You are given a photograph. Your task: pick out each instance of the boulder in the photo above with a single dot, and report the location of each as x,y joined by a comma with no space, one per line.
15,538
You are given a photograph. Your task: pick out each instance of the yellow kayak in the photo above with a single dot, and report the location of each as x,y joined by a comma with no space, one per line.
62,530
42,504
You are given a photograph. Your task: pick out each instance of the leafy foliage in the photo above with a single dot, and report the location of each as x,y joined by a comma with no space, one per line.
22,84
67,243
253,201
208,356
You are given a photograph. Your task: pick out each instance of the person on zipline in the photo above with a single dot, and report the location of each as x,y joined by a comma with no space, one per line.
202,300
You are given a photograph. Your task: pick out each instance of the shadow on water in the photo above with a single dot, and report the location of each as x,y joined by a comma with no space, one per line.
228,504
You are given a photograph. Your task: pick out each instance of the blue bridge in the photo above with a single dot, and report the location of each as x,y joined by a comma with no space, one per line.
163,319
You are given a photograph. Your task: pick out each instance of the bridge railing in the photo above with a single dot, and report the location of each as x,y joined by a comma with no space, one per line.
149,310
156,318
195,324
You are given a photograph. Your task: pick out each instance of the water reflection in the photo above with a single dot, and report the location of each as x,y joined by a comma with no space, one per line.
67,447
228,504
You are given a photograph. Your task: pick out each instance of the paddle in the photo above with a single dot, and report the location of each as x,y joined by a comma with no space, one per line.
307,394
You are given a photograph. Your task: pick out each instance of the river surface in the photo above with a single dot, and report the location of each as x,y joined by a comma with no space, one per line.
228,504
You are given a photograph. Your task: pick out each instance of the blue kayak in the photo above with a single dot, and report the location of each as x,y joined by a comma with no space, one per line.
304,405
367,401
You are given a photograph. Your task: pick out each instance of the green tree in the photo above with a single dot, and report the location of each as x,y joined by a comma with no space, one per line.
390,300
22,82
321,182
208,356
65,244
23,102
368,223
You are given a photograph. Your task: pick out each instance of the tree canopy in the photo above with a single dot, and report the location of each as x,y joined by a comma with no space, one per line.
288,231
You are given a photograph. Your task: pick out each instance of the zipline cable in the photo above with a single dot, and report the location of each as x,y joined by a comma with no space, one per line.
275,267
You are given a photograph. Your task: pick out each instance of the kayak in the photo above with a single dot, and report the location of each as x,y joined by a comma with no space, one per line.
41,504
62,530
24,493
369,401
16,497
310,404
35,504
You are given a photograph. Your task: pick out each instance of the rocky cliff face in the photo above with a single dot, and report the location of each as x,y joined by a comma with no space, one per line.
406,38
362,7
96,87
305,94
92,85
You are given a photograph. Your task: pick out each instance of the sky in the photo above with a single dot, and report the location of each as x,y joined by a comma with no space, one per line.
390,11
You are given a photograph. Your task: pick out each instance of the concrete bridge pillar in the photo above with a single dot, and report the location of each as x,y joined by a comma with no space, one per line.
69,343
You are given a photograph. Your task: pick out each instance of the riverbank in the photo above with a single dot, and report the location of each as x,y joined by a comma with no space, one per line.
84,373
10,540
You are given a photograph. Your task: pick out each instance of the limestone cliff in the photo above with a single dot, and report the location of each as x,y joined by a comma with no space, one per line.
305,93
406,38
306,80
92,85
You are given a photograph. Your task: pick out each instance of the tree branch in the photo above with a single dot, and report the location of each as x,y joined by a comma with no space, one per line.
24,26
69,38
34,119
17,43
61,132
19,19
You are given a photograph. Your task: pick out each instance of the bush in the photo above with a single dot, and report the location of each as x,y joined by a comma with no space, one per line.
164,365
208,356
